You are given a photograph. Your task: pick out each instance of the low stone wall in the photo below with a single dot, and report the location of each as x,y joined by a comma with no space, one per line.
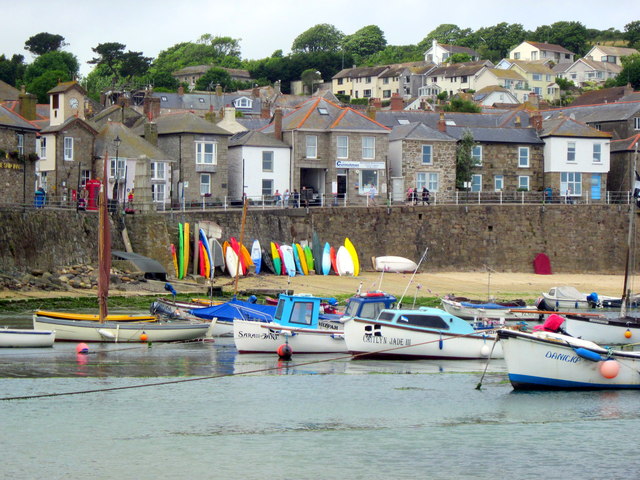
577,238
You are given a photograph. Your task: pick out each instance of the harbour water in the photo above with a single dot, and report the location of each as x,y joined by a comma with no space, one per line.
200,410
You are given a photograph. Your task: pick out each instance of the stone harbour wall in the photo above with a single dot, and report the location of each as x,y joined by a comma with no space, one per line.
577,238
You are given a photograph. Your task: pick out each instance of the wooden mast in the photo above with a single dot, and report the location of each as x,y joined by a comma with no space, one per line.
104,246
631,234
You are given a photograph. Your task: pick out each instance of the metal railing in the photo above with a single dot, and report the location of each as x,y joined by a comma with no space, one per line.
270,202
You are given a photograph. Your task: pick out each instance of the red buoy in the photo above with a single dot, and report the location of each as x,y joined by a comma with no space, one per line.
82,348
284,351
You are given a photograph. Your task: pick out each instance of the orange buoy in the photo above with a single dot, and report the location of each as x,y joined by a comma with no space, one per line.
609,369
627,334
284,351
143,337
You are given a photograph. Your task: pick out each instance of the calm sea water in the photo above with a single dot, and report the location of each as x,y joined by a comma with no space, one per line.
264,418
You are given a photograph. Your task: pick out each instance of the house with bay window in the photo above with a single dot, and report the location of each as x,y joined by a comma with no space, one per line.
336,152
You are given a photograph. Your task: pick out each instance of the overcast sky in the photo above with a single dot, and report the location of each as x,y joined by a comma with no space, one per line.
263,26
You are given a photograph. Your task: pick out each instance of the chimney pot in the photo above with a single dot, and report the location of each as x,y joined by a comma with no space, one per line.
277,124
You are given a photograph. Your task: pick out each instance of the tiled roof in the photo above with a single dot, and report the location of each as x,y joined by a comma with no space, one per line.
204,101
67,123
64,86
506,74
602,66
359,72
184,122
13,120
460,69
603,95
626,144
605,112
551,47
617,51
497,118
533,66
562,126
498,134
418,131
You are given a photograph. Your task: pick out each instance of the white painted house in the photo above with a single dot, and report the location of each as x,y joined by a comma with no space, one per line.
259,165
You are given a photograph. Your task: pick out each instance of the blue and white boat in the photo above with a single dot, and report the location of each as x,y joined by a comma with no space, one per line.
418,333
300,323
227,313
16,338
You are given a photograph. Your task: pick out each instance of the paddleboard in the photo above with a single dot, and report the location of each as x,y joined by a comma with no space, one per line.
246,256
289,262
332,255
326,259
179,250
277,261
284,267
301,263
236,248
201,254
232,262
354,256
344,262
207,247
186,250
316,247
175,260
394,264
207,262
308,255
267,263
256,255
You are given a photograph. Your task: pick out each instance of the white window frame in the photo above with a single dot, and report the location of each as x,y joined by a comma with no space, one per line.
597,153
523,157
117,168
421,180
68,148
42,147
85,176
477,157
267,160
364,177
427,152
158,170
204,157
342,146
311,143
368,148
433,182
523,182
476,182
20,140
498,183
158,192
242,102
636,123
205,184
267,186
571,152
573,180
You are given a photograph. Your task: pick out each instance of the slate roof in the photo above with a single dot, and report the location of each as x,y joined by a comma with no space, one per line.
359,72
13,120
65,86
460,69
396,70
419,131
7,92
184,122
527,136
256,139
205,101
131,146
497,118
310,116
67,123
253,123
562,126
625,144
603,95
551,47
606,112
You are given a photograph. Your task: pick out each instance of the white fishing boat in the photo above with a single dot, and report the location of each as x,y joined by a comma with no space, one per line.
476,309
418,333
544,360
393,264
26,338
567,297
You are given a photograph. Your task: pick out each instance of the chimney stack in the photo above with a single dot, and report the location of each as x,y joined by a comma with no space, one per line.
151,107
536,121
180,90
255,92
397,104
277,124
151,133
442,124
377,103
27,105
219,90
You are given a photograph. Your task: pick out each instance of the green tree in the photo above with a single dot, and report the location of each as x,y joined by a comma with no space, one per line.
571,35
207,50
565,84
630,72
495,42
459,58
12,70
396,54
220,46
309,78
464,159
447,33
109,54
133,64
64,62
320,38
41,84
458,104
366,41
44,43
214,76
632,34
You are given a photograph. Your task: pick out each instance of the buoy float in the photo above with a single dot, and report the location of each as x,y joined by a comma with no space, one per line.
485,350
82,348
627,334
284,351
609,369
143,337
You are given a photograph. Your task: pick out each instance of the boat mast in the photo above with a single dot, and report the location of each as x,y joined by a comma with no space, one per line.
631,235
104,246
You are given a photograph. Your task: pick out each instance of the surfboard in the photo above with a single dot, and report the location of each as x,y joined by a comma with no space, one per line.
174,257
296,258
232,262
283,266
246,256
332,256
308,255
179,250
289,262
256,255
240,258
209,258
317,250
207,262
354,256
267,263
277,261
201,256
326,259
186,250
303,259
344,262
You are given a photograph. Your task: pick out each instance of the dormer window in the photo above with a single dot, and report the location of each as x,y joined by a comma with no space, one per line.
323,111
242,102
201,100
163,98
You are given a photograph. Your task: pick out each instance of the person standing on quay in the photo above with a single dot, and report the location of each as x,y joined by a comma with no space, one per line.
425,196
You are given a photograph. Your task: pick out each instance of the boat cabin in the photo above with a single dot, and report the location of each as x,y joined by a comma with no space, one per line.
304,311
368,305
426,318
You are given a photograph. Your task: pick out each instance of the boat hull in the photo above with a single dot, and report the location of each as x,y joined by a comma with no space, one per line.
472,313
382,340
604,331
23,338
117,332
262,337
548,361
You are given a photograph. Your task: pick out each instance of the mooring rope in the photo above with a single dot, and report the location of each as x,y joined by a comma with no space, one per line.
224,375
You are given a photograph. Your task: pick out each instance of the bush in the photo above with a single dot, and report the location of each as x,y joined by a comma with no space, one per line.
359,101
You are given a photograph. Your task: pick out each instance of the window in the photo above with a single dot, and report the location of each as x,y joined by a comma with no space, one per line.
385,81
498,183
302,313
523,157
312,146
368,147
523,182
386,94
267,187
366,93
206,153
85,176
68,148
534,55
571,151
427,154
516,56
205,183
548,77
242,103
323,111
421,180
368,178
597,153
117,169
343,146
433,182
368,80
636,123
476,183
608,58
42,148
476,154
267,161
158,170
157,192
340,81
20,144
571,183
463,79
537,90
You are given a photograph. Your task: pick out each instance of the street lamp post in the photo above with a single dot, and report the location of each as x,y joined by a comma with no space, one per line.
116,194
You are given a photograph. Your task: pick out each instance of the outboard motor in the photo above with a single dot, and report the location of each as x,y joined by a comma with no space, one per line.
593,300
